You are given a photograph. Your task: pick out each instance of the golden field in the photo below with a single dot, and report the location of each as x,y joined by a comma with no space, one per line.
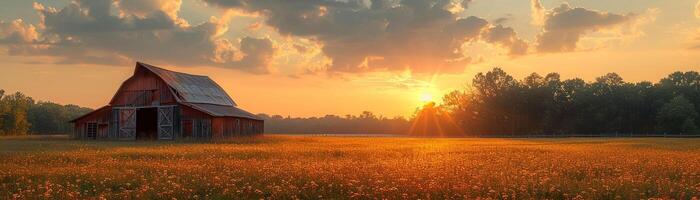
291,167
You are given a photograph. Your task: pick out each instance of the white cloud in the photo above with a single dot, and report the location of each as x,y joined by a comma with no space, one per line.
142,8
85,31
17,32
424,36
537,12
697,9
564,26
506,37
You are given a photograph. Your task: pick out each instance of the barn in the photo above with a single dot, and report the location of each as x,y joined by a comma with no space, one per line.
159,104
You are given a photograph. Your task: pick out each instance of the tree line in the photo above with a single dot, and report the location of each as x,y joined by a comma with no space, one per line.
365,123
21,115
496,104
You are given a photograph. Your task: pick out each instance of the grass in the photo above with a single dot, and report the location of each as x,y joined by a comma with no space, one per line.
290,167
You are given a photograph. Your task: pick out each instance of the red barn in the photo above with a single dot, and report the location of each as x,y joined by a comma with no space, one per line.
159,104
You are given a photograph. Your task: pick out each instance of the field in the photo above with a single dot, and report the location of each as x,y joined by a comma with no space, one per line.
289,167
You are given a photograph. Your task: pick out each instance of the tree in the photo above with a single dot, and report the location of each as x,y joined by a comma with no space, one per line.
496,96
365,123
499,104
432,121
15,116
52,118
686,84
552,116
676,115
689,126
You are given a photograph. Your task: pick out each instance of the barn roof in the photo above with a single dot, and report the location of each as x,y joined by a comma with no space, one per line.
223,111
195,91
200,92
192,88
90,113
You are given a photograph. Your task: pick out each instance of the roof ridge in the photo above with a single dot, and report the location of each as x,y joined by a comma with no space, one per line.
179,81
160,68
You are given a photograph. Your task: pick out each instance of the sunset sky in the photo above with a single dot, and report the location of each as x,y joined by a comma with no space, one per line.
317,57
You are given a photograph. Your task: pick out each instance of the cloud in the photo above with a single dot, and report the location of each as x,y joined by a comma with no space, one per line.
16,35
504,19
538,12
564,26
16,32
506,37
143,8
697,9
258,52
404,80
424,36
85,31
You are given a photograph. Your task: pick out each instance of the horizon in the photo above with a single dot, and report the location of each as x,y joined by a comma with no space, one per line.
300,66
421,99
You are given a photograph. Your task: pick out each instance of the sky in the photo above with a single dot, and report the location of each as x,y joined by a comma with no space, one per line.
316,57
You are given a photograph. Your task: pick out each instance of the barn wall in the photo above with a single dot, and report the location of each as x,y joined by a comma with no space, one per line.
102,117
195,124
201,125
147,89
144,88
225,127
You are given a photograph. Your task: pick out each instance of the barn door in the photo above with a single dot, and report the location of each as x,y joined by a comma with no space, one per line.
165,123
127,123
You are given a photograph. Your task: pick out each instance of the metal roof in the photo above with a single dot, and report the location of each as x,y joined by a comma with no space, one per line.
192,88
223,111
89,113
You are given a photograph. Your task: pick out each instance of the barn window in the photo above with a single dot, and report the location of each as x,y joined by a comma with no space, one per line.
92,130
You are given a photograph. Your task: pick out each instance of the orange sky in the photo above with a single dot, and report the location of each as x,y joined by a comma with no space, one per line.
360,61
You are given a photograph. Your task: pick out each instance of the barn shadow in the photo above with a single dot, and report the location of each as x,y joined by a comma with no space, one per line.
147,124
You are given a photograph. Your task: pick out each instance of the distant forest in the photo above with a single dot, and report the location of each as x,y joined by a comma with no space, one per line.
365,123
21,115
494,104
497,104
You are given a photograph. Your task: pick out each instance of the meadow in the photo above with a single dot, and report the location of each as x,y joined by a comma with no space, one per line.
296,167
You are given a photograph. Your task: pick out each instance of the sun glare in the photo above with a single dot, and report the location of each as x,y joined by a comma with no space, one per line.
426,97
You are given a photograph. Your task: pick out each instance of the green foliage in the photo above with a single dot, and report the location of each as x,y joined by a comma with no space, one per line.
20,115
14,114
689,126
366,123
498,104
51,118
678,115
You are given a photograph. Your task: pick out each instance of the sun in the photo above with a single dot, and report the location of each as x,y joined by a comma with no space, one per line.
426,97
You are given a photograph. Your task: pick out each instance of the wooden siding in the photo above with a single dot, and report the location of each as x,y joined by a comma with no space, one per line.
199,122
101,117
200,125
224,127
143,89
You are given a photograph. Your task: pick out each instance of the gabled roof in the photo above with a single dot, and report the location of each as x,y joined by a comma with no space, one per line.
192,88
89,113
198,92
222,111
